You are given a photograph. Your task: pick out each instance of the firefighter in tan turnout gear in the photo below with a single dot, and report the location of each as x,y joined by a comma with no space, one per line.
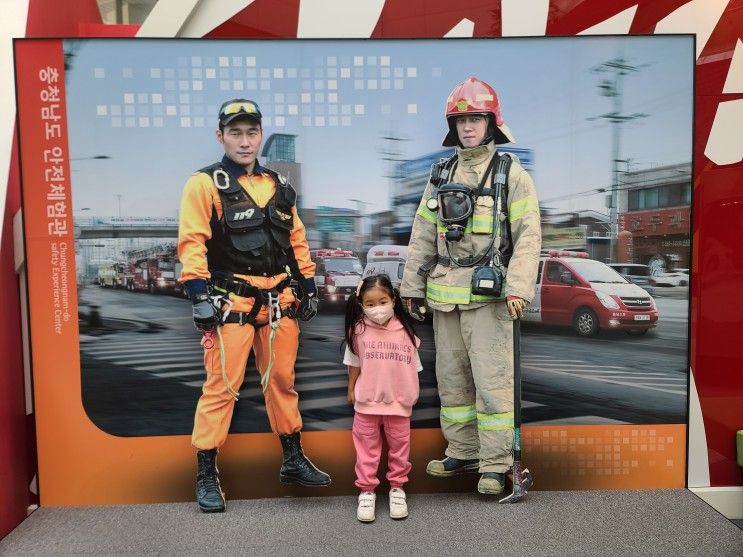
473,257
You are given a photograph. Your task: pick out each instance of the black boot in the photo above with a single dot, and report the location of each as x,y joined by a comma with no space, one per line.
208,493
296,467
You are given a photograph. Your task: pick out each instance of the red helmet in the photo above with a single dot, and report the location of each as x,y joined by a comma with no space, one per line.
474,96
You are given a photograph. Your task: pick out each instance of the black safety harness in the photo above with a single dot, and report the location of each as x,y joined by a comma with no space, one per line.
249,228
228,283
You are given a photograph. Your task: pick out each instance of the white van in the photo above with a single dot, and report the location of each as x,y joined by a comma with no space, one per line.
388,260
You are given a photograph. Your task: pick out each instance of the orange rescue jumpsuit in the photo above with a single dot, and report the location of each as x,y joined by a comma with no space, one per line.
215,406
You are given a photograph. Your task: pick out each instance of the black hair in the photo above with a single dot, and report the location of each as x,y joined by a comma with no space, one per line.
355,314
490,133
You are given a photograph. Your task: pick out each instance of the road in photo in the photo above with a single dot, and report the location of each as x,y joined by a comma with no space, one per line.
142,370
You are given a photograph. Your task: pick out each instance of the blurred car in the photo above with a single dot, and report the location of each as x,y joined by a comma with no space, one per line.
635,272
588,295
679,277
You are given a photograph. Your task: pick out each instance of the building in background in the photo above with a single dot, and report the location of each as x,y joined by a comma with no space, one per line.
654,217
279,154
586,231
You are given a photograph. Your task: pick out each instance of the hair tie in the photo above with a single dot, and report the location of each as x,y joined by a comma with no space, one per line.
358,288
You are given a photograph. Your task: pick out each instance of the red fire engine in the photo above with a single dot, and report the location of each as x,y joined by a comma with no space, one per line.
154,269
337,275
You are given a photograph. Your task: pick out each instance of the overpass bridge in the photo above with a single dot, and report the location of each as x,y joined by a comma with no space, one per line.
88,228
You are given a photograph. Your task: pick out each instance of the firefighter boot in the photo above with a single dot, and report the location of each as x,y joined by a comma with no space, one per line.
296,467
491,483
208,493
450,466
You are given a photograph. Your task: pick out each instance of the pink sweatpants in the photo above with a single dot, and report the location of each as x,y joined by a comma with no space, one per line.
367,441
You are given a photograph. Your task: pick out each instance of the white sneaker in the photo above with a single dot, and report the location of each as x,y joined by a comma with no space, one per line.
365,511
398,504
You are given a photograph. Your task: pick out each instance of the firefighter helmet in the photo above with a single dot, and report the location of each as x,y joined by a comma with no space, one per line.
474,96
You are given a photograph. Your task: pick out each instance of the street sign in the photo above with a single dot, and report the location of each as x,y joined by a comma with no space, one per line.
335,219
568,237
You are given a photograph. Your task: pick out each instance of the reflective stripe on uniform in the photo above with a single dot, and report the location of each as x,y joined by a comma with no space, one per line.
425,213
459,414
447,294
441,227
454,294
482,224
495,422
518,209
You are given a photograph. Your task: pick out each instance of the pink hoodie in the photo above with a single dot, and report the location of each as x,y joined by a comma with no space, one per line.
388,383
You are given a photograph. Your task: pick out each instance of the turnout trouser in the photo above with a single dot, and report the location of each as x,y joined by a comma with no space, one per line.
216,404
474,369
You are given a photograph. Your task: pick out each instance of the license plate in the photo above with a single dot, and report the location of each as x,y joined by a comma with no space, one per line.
642,318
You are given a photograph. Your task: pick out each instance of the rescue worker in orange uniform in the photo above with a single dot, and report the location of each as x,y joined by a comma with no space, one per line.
240,241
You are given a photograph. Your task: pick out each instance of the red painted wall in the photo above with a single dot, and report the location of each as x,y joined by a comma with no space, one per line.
17,442
17,445
717,268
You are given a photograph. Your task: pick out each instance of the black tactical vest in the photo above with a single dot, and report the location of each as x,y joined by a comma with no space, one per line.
248,239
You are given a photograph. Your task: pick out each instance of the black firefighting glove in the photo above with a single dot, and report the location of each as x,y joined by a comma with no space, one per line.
205,316
415,307
309,302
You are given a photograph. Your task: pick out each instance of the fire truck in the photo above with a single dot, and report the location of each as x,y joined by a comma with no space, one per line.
337,275
154,269
112,274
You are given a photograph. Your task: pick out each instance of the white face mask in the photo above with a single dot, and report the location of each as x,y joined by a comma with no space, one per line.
380,314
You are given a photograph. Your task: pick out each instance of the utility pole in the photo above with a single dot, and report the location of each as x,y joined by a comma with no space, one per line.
611,87
392,155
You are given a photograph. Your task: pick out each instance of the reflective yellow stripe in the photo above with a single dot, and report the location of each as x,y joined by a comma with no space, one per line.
441,227
482,224
447,294
425,213
518,209
458,414
495,422
454,294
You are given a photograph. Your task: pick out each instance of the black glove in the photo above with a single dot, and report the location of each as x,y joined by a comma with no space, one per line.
416,308
309,302
204,315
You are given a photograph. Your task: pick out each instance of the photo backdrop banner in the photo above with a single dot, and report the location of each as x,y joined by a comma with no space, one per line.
111,129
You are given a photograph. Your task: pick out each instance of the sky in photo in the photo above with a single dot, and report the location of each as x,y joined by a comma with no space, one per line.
150,106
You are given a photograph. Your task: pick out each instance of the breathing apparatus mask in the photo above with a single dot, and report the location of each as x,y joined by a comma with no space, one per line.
454,203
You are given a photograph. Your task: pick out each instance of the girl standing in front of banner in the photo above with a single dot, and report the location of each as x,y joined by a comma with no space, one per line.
383,365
